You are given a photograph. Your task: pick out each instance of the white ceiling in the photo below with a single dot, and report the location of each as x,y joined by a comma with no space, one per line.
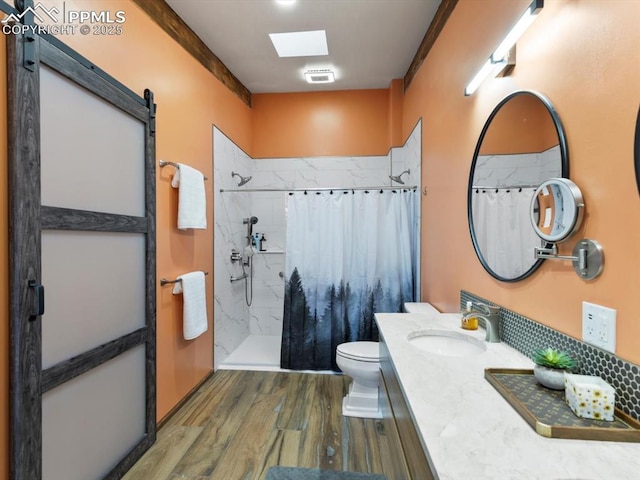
370,42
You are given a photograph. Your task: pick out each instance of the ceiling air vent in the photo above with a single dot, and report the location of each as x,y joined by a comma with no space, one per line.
319,76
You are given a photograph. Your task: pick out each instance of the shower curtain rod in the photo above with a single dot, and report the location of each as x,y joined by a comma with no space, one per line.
512,186
316,189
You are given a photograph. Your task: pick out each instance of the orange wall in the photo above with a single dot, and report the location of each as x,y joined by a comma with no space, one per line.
396,99
339,123
189,101
584,57
522,125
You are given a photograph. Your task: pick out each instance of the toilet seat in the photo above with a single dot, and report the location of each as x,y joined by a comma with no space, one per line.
360,351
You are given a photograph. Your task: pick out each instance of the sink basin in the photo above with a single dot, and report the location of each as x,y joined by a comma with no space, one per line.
446,343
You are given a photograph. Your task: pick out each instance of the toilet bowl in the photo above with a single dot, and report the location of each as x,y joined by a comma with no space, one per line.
361,362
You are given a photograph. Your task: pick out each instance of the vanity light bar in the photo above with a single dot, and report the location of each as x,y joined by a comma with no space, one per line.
490,68
527,18
498,59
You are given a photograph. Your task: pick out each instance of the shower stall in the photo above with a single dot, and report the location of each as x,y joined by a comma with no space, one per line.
250,236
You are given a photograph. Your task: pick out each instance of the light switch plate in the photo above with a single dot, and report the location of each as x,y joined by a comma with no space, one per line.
599,326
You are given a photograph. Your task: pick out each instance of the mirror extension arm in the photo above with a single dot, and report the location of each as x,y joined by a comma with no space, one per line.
587,257
552,254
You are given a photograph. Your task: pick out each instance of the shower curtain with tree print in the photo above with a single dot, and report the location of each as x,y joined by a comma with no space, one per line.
502,225
350,254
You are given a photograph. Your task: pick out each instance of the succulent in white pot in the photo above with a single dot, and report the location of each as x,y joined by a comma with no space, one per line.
551,366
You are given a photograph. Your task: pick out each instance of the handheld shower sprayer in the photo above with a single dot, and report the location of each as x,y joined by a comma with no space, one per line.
248,256
398,178
242,181
250,222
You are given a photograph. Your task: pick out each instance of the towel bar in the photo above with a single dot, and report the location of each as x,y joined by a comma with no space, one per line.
164,281
163,164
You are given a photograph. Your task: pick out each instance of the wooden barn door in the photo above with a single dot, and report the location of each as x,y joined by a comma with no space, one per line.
82,266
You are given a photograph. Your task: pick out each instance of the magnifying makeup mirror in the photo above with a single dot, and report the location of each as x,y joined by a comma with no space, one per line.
557,209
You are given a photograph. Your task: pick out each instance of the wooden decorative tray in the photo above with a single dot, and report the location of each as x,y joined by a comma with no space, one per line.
548,414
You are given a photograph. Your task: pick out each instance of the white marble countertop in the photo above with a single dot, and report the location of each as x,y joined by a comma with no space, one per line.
470,430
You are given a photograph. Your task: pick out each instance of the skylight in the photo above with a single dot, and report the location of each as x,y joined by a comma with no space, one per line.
300,44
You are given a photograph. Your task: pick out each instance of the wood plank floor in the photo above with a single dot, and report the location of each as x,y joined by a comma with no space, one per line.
240,423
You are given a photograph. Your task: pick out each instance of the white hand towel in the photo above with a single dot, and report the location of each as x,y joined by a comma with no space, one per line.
192,201
194,313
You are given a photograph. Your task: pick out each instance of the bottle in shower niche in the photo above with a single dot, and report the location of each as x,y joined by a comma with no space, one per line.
262,248
257,242
469,322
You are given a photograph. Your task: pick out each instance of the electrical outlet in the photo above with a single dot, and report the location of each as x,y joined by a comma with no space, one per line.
599,326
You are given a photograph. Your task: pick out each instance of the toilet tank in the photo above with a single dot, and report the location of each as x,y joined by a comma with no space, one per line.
415,307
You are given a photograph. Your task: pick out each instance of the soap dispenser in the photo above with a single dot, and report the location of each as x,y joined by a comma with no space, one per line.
469,322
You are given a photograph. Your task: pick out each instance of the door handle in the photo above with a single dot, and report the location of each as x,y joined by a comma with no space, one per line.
38,304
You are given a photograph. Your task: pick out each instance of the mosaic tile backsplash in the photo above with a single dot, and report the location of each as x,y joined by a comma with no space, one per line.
525,335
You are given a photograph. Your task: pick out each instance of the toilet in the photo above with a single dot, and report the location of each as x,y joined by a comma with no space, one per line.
361,362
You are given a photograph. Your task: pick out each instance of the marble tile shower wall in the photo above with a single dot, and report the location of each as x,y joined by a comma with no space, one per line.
230,312
409,157
520,169
233,320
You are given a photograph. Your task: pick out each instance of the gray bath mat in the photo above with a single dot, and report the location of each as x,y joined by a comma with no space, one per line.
294,473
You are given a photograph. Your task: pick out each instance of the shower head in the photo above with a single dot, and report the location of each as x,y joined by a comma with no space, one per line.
398,178
243,180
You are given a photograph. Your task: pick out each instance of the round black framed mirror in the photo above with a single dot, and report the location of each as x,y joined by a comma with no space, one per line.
521,145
